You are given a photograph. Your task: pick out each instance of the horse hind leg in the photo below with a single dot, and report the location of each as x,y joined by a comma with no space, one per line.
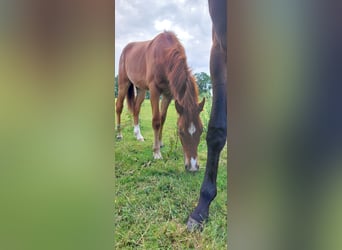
139,99
122,91
119,106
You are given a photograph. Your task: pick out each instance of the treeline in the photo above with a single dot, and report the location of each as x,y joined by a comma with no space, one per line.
202,80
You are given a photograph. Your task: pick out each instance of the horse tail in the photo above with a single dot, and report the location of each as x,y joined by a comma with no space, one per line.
130,98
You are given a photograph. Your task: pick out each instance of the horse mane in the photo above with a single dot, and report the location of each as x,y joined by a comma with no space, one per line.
182,83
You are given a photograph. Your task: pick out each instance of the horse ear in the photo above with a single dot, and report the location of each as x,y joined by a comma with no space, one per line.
201,105
179,108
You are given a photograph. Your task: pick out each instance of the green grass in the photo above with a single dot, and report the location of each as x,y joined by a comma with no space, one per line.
153,198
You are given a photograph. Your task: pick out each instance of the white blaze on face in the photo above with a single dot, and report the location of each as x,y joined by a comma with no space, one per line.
193,165
192,129
193,162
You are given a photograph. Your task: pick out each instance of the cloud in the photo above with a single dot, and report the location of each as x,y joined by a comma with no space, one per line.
162,25
143,20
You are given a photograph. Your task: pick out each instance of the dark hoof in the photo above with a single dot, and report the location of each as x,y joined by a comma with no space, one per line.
119,137
193,225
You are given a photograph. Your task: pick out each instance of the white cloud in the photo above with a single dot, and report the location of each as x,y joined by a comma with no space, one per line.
143,20
162,25
183,35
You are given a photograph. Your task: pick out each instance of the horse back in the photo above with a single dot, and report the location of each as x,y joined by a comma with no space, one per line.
149,61
159,58
133,63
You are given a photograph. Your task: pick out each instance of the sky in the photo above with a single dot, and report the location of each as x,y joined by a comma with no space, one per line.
139,20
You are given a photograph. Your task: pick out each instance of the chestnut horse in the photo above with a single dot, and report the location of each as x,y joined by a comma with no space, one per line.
160,66
217,128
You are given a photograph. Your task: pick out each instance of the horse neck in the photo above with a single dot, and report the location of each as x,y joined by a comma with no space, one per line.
186,93
182,84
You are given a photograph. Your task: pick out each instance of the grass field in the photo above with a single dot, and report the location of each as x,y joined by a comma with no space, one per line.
153,198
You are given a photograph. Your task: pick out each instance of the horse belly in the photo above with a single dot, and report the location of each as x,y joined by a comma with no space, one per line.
136,71
140,84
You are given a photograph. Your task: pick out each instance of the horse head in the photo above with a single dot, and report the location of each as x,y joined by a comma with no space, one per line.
190,129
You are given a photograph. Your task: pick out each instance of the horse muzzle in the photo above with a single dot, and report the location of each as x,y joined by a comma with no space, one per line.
192,165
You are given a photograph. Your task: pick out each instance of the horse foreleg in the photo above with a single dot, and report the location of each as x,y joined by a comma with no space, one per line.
164,106
216,136
216,139
156,122
138,101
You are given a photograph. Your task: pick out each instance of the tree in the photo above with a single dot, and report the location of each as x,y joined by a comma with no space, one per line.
203,82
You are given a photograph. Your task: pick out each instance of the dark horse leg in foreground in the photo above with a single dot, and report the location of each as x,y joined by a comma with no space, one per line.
217,128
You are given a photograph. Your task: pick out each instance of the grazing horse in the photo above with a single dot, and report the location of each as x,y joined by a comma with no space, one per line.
217,128
160,66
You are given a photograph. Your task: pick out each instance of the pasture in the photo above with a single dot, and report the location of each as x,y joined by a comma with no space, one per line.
153,198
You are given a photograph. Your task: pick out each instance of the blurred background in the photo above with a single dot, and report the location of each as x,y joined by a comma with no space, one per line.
284,124
56,123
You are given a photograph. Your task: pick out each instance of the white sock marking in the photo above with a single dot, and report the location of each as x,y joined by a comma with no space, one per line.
137,133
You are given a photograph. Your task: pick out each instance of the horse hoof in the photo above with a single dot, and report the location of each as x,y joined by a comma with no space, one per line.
141,139
193,225
119,137
157,156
